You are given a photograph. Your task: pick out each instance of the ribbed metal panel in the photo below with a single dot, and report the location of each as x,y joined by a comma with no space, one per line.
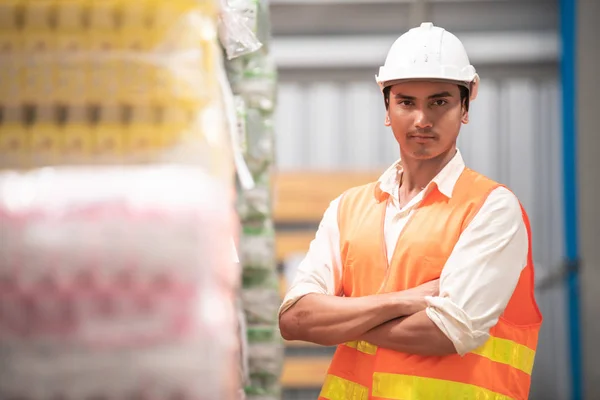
513,137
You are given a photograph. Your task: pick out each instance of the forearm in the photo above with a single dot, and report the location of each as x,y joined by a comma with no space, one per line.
415,334
330,320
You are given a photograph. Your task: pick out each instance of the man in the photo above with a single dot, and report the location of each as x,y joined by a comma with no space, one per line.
424,279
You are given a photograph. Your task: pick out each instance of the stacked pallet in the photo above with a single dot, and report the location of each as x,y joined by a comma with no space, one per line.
116,278
107,81
115,284
253,78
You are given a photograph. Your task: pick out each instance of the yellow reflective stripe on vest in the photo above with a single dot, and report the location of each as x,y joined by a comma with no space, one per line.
336,388
363,347
406,387
508,352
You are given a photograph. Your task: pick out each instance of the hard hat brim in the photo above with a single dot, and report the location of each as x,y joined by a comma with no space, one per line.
423,79
472,85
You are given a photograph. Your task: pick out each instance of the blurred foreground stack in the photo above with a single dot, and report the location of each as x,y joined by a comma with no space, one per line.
115,285
116,225
252,74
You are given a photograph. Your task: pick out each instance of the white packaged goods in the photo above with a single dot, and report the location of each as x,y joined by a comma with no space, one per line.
117,284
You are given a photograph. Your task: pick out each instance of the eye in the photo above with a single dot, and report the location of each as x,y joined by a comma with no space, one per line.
405,103
440,102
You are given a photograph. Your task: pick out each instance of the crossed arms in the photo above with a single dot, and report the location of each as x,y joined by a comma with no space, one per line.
393,320
452,315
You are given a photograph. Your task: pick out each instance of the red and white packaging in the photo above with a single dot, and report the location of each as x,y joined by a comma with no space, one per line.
115,284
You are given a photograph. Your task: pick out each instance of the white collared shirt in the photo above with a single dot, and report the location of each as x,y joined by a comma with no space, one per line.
476,282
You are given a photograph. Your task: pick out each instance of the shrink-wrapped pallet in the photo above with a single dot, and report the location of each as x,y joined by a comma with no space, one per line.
117,284
109,81
245,33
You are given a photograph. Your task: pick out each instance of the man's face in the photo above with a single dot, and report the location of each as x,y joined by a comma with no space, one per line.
425,117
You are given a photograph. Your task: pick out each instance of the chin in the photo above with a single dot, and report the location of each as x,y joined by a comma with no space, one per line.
427,151
424,153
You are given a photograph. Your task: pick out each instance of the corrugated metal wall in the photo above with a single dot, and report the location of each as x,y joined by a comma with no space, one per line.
513,137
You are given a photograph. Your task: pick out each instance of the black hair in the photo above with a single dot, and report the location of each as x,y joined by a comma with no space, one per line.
464,96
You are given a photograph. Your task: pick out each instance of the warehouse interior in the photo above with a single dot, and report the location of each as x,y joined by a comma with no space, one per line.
165,165
330,111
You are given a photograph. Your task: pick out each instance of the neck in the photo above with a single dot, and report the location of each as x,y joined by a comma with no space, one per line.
416,174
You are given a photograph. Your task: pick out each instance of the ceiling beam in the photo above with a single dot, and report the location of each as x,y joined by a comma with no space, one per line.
490,48
336,17
349,2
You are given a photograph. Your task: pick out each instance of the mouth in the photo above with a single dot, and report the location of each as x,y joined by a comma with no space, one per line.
422,138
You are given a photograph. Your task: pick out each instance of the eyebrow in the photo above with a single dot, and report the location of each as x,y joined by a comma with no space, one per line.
433,96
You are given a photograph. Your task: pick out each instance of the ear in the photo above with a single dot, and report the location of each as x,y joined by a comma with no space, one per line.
465,117
387,121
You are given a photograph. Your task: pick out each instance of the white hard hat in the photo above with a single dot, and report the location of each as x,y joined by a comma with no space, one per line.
428,53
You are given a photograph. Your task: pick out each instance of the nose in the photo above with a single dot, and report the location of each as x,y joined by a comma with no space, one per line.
422,120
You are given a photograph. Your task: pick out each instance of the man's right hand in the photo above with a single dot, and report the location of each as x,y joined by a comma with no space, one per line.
431,288
413,300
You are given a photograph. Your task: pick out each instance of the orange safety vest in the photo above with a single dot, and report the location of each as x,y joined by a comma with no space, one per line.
500,369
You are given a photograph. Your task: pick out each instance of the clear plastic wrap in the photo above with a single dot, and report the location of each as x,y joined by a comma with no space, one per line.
238,27
110,81
254,205
261,304
241,115
257,252
263,275
263,24
237,138
256,87
263,333
257,247
117,284
254,77
259,131
243,339
265,361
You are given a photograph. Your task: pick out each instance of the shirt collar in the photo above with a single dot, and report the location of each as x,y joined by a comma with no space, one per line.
445,180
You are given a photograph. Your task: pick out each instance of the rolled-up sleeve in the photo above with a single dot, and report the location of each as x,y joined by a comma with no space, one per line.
482,272
321,269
